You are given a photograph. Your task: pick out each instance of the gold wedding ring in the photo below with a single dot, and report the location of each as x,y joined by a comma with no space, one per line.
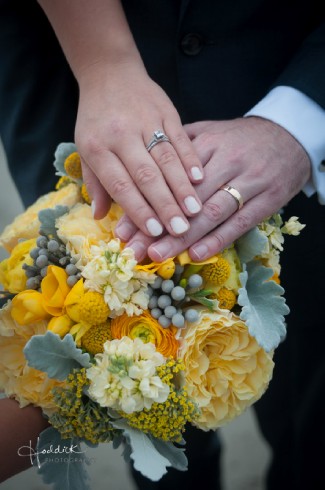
235,194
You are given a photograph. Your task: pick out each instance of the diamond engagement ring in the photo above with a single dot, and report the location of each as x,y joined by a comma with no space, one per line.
235,194
158,137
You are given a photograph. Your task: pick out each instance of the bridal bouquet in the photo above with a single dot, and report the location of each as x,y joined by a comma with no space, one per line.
131,353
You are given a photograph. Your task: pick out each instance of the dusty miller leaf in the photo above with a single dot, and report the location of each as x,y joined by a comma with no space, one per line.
263,307
48,217
62,151
250,245
55,356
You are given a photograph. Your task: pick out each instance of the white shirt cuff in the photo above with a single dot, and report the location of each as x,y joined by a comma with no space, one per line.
305,120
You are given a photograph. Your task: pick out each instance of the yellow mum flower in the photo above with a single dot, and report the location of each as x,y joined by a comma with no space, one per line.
226,369
12,275
147,329
72,165
28,307
94,339
93,309
26,225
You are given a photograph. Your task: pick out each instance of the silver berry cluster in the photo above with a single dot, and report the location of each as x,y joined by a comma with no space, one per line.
169,299
49,251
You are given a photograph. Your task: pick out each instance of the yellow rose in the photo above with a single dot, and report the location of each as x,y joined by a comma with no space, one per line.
26,225
17,379
54,290
12,275
147,329
79,230
73,299
60,325
226,370
27,307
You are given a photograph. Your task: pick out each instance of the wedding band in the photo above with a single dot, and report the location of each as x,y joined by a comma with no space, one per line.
235,194
158,137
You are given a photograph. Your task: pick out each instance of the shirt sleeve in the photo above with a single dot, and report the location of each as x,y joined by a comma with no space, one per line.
305,120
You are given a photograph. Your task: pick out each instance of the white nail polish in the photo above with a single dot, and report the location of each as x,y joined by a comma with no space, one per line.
154,227
192,205
178,225
196,173
93,208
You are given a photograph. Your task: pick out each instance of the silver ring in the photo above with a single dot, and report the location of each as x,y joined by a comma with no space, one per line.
235,194
158,137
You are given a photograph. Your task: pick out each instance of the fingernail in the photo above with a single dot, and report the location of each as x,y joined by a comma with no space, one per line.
161,249
154,227
200,251
140,250
124,231
196,173
178,225
93,208
192,205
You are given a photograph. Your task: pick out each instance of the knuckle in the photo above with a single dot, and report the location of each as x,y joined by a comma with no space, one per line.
117,127
166,158
144,175
180,139
242,222
119,186
212,211
218,241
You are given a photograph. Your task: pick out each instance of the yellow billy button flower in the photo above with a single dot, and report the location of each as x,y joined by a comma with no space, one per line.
73,300
27,307
226,298
85,194
147,329
55,290
94,339
72,165
60,325
93,309
217,273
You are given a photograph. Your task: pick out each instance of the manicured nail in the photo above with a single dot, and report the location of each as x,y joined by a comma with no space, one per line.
201,251
140,250
154,227
178,225
124,231
192,205
161,249
196,173
93,208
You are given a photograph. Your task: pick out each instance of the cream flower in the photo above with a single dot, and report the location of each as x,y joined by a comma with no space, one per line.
292,226
226,370
124,376
26,225
112,272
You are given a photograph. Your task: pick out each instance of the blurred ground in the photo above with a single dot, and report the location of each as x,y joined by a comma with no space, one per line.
245,454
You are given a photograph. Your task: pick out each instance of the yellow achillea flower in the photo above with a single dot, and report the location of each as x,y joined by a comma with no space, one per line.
166,420
217,273
147,329
94,339
93,309
85,195
226,298
78,416
72,165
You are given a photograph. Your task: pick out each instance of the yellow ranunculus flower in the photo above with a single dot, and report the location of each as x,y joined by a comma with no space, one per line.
164,269
225,368
12,276
60,325
72,300
27,307
54,290
26,225
147,329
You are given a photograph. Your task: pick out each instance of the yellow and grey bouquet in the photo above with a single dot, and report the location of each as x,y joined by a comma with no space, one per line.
131,353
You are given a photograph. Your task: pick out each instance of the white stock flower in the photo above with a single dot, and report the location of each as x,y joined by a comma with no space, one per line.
292,226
